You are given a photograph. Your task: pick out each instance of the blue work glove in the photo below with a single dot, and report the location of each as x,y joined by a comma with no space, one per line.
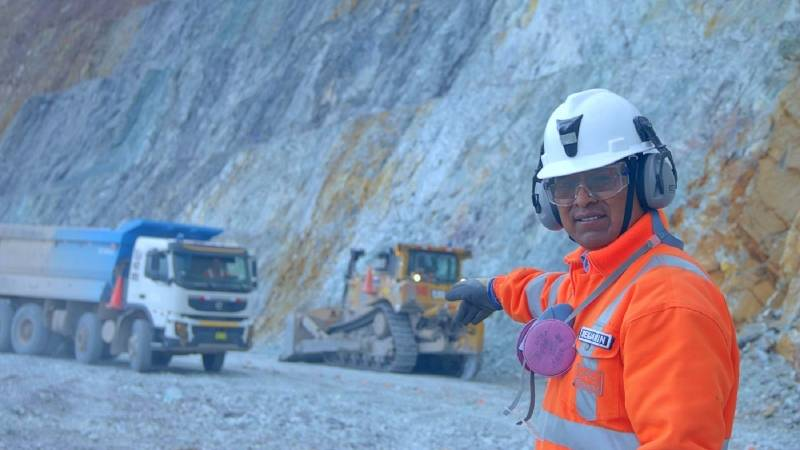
477,300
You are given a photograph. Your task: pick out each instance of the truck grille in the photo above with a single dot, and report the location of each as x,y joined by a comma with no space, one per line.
216,304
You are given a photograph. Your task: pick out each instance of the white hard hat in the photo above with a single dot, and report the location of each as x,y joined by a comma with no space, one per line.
590,129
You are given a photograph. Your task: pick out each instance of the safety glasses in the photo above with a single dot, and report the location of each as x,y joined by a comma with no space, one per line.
601,184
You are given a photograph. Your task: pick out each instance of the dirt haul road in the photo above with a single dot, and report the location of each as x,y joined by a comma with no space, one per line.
257,402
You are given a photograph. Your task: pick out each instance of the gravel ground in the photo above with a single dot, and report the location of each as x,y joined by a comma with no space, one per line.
258,402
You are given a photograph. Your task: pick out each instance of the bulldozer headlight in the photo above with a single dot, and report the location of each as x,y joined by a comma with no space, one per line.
416,277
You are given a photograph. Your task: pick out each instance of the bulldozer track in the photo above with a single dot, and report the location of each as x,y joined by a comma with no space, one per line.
402,359
405,346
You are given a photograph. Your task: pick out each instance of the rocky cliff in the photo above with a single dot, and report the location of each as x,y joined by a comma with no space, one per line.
306,128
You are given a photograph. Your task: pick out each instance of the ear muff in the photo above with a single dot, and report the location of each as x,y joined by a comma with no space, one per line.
656,177
545,211
658,181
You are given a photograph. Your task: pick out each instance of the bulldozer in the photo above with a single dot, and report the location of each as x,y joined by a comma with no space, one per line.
392,316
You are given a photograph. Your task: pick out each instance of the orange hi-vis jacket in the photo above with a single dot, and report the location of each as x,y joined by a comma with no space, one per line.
668,379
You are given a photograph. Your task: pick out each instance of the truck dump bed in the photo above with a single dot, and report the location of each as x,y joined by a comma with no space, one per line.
75,263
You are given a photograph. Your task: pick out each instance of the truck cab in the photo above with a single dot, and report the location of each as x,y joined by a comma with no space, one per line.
148,288
199,295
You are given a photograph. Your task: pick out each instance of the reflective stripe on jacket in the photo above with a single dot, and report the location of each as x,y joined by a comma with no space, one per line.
668,379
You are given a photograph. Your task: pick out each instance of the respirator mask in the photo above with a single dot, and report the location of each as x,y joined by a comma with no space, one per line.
546,347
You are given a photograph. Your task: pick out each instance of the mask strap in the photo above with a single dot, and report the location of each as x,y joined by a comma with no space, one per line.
518,396
665,236
652,242
531,404
632,175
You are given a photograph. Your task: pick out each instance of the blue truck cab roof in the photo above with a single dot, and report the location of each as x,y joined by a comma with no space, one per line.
89,254
132,229
124,236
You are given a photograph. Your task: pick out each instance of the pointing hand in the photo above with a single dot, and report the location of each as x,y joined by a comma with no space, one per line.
476,304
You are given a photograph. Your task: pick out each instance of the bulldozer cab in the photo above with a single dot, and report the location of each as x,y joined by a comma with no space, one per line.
440,265
402,273
425,264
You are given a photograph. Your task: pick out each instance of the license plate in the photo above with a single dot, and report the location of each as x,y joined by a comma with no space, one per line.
437,293
221,336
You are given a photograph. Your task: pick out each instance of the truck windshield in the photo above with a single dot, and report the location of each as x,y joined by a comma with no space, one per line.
433,267
212,272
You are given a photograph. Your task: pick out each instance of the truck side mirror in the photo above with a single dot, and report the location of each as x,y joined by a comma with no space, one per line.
254,272
156,268
152,266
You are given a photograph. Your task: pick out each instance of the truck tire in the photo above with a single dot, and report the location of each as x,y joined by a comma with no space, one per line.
140,352
212,362
88,340
6,316
161,359
29,331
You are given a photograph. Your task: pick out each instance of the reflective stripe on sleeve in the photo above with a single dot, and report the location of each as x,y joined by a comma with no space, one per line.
533,290
553,297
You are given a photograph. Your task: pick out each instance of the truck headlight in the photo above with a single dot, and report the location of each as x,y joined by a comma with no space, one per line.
181,330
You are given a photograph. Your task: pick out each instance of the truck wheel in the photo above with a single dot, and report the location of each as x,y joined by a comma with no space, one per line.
140,351
88,341
213,362
161,359
29,331
6,316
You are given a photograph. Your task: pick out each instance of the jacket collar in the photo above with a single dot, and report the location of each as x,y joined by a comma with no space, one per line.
604,260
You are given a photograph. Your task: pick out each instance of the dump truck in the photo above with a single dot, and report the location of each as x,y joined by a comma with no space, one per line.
148,288
392,316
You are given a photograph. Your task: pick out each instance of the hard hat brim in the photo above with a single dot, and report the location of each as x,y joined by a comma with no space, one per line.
572,166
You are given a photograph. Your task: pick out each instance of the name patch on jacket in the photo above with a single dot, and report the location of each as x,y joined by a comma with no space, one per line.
595,337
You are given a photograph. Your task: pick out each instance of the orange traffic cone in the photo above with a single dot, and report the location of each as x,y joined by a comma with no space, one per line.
116,295
369,287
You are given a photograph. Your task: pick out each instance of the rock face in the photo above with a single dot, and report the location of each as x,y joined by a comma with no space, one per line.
747,220
306,128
